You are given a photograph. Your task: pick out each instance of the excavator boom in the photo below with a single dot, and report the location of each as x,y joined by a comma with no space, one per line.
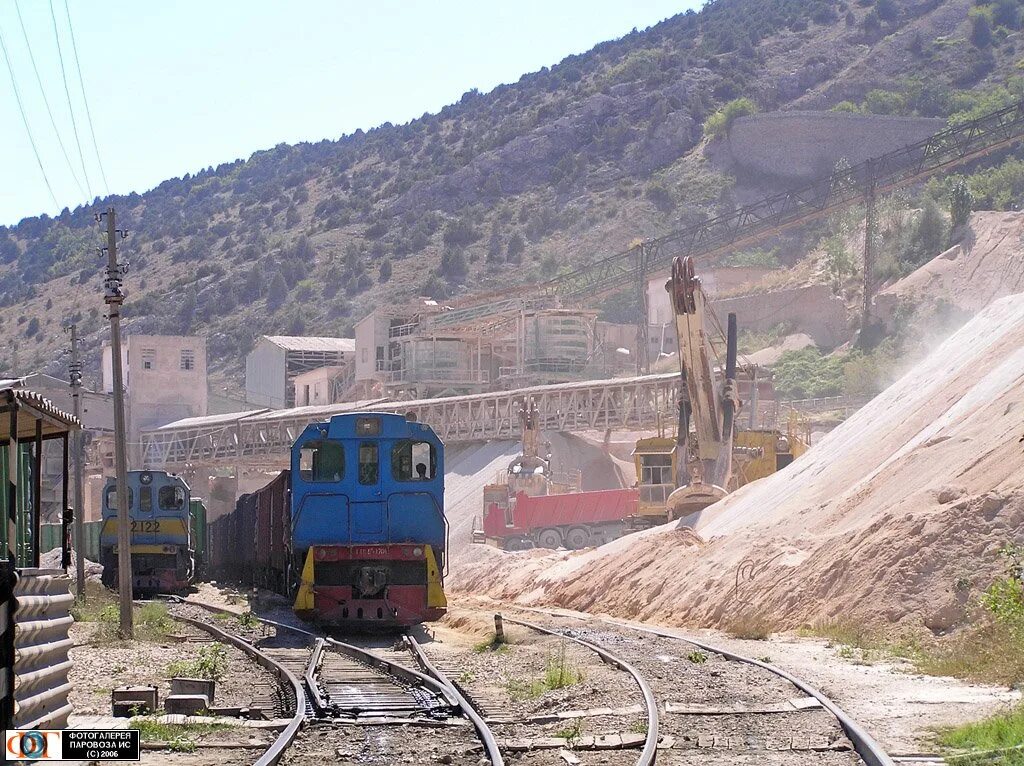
712,409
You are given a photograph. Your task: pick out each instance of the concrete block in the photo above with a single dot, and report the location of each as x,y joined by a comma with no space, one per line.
144,698
194,686
128,708
186,704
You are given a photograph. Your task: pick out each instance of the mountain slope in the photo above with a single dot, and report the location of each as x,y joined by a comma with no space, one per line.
566,165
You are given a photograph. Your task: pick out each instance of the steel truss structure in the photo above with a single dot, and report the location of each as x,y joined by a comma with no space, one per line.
264,438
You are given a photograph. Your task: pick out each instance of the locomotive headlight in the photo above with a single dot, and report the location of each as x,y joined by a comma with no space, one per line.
145,477
417,551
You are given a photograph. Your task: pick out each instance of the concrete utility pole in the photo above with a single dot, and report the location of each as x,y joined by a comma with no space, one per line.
114,297
644,255
75,376
870,235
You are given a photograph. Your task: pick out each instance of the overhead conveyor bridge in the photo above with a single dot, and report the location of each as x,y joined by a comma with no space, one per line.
264,437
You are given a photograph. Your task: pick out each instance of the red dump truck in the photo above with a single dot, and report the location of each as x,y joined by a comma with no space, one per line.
574,520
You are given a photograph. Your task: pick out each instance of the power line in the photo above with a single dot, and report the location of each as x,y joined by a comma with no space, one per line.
67,92
24,119
46,101
88,114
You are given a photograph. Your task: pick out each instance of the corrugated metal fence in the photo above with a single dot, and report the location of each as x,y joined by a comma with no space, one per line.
42,617
50,538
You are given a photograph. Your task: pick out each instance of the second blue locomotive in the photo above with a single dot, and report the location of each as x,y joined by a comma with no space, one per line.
355,531
166,532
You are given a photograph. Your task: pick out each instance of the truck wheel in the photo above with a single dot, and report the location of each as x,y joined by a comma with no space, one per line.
577,537
549,538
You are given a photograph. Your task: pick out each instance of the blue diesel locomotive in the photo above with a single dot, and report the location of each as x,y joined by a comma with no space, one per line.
162,532
364,531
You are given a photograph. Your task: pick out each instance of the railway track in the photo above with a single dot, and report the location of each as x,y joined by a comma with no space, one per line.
394,706
649,697
714,706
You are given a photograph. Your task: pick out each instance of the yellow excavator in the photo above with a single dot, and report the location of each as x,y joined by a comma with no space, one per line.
682,476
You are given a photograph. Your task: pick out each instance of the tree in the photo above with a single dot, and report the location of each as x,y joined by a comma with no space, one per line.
516,247
981,30
887,10
872,23
661,197
717,125
1007,14
384,272
916,46
253,285
453,265
928,238
851,20
277,292
961,202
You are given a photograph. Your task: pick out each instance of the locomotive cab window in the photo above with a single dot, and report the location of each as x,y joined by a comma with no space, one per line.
369,463
112,497
145,499
413,461
171,498
322,460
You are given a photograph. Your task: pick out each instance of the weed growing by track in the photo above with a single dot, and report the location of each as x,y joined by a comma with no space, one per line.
559,673
753,627
101,608
990,649
995,740
572,732
179,738
211,662
493,644
697,657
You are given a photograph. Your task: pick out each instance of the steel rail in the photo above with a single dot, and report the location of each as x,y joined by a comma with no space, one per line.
274,753
314,689
394,669
465,705
866,746
650,750
433,679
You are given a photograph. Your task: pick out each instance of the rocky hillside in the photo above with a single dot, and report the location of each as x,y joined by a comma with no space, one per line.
568,164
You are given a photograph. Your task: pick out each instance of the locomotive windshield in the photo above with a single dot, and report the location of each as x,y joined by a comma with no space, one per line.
112,497
171,498
369,465
413,461
322,460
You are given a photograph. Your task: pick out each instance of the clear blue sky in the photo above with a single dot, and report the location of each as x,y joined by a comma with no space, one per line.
176,86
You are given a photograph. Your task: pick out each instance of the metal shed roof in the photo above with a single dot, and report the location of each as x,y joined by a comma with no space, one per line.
299,343
32,408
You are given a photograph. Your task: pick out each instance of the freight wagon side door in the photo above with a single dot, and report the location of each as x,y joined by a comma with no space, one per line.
367,495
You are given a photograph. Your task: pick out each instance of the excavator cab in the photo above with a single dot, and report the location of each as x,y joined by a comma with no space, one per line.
655,462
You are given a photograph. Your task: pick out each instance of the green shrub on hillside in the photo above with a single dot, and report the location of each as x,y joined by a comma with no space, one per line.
807,374
717,125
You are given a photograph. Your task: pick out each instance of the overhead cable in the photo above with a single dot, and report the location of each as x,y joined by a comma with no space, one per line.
71,108
85,100
46,101
24,119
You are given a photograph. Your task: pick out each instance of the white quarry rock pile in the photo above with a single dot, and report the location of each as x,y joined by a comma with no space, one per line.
895,516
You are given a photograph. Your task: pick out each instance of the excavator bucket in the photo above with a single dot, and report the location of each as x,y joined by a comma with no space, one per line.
693,498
